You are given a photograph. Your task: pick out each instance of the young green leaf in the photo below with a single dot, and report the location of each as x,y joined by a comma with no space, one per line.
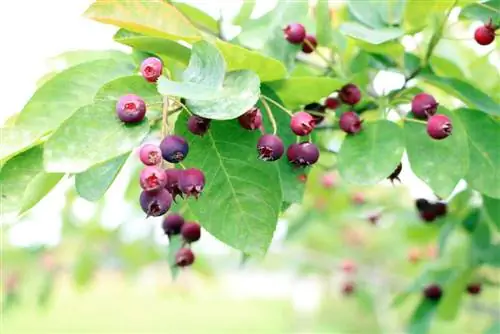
452,295
134,84
324,27
420,322
372,36
492,208
482,12
198,18
245,12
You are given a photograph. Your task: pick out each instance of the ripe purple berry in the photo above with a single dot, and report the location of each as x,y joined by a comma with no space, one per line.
302,154
395,174
485,34
270,147
295,33
191,232
172,184
332,103
130,108
152,178
311,44
252,119
172,224
350,122
198,125
155,203
350,94
433,292
302,123
174,148
423,106
440,208
439,127
474,288
184,257
151,69
316,110
192,182
150,155
428,215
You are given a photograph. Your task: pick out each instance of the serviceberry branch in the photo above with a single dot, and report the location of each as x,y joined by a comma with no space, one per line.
277,105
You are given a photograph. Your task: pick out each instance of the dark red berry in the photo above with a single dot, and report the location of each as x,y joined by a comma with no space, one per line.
172,224
302,123
310,43
150,155
270,147
152,178
429,214
433,292
191,232
484,35
174,148
198,125
439,127
251,120
332,102
350,94
373,218
423,106
172,184
350,122
422,204
184,257
192,182
440,208
474,288
295,33
348,288
130,108
155,203
395,174
358,199
302,154
151,69
316,110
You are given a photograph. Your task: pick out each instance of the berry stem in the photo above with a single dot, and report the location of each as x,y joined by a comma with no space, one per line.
270,114
182,165
414,120
183,106
277,105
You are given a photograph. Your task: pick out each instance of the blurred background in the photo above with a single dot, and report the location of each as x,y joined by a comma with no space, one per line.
73,266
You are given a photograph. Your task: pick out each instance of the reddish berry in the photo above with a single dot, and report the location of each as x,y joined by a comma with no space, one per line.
329,180
423,106
302,178
414,255
174,148
433,292
150,155
373,218
172,184
192,182
332,102
198,125
172,224
484,35
348,288
358,199
348,266
151,69
270,147
428,215
439,127
191,232
184,257
251,120
316,110
302,154
155,203
295,33
152,178
350,94
311,45
395,174
440,208
130,108
350,122
474,288
302,123
422,204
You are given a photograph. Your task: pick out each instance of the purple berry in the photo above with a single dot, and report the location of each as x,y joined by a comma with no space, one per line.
474,288
302,123
295,33
153,178
192,182
350,94
423,106
318,109
130,108
270,147
350,122
251,120
198,125
395,174
172,224
433,292
439,127
150,155
302,154
191,232
311,46
184,257
422,204
332,102
155,203
151,69
174,148
172,184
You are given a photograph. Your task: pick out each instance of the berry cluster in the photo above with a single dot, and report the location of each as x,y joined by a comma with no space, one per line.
295,33
190,232
434,292
424,107
349,268
429,211
485,34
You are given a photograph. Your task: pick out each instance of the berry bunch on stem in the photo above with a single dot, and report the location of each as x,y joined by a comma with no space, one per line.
173,225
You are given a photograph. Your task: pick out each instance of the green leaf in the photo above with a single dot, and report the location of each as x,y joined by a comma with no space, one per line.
206,66
471,221
494,328
482,12
366,11
16,140
198,18
371,155
150,17
492,208
324,27
480,243
248,190
420,322
391,11
76,57
174,244
453,294
484,135
416,14
85,266
134,84
94,182
91,136
39,186
372,36
431,160
245,12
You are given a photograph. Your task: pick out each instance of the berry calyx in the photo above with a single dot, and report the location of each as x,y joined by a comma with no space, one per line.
423,106
151,69
198,125
350,122
172,224
302,154
395,174
174,148
316,110
192,182
251,120
155,203
150,155
184,257
302,123
295,33
310,43
152,178
130,108
350,94
474,288
433,292
172,184
332,102
439,127
191,232
270,147
485,34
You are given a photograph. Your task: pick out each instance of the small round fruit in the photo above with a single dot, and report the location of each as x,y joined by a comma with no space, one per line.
191,232
350,122
192,182
439,127
302,154
155,203
172,184
423,106
474,288
295,33
395,174
428,215
440,208
329,180
198,125
348,288
373,218
302,123
484,35
150,155
348,266
358,199
433,292
251,120
270,147
152,178
350,94
131,108
172,224
310,43
184,257
422,204
332,102
414,255
174,148
151,69
316,110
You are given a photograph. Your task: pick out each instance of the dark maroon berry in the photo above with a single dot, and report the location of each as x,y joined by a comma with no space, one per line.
251,120
172,224
474,288
198,125
302,154
295,33
433,292
485,34
428,215
192,182
152,178
423,106
332,102
440,208
316,110
184,257
350,122
130,108
348,288
172,184
395,174
310,43
439,127
174,148
151,69
373,218
150,155
270,147
350,94
191,232
422,204
155,203
302,123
